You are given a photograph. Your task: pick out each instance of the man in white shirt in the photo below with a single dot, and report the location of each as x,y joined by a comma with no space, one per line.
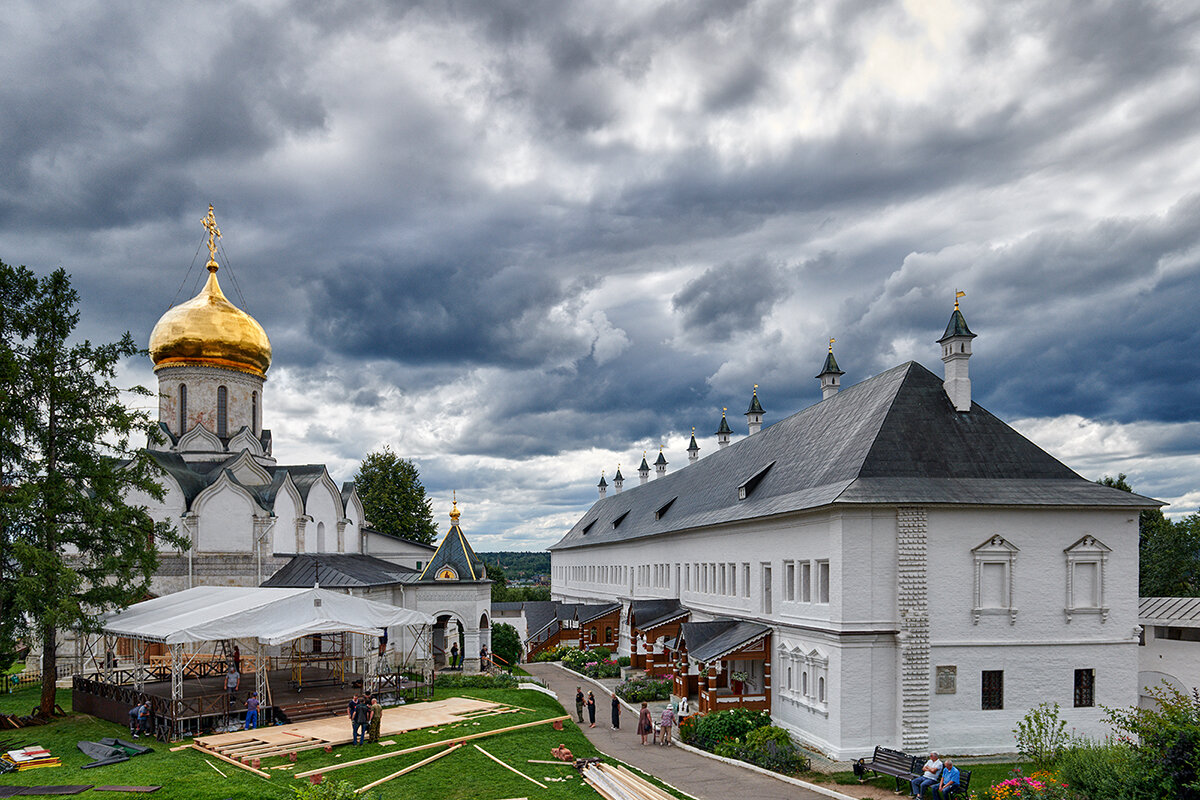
928,777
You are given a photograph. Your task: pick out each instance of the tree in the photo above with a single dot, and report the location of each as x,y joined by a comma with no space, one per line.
75,548
506,643
1168,552
499,581
393,497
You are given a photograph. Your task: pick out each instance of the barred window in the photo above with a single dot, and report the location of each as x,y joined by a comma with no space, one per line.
993,690
1085,688
182,409
222,412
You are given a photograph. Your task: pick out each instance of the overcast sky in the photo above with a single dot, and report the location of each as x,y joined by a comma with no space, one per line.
522,242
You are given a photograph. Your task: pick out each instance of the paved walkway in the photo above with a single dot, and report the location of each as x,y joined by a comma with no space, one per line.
703,778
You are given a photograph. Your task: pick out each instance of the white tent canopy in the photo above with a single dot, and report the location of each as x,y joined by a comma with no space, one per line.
272,616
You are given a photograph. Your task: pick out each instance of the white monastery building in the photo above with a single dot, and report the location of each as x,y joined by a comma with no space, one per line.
892,566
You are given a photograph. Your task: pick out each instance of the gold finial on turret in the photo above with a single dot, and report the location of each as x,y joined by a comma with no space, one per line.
756,389
831,341
454,512
210,224
957,294
723,410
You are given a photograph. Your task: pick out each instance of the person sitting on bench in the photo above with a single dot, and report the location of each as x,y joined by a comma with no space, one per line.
949,784
928,777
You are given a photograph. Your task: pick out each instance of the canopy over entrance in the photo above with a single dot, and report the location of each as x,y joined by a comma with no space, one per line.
272,616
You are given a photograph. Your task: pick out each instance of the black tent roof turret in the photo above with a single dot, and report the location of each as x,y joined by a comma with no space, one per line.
643,469
618,478
454,559
603,483
957,326
724,431
662,460
755,406
693,449
830,375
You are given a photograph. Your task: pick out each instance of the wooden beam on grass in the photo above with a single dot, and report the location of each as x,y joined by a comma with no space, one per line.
223,757
431,745
509,767
409,768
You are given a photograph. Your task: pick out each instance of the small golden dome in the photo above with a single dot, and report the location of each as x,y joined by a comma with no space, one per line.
210,330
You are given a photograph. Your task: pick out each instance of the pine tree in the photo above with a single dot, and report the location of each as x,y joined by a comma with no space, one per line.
393,497
75,547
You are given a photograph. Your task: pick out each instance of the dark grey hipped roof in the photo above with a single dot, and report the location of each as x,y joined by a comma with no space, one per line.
706,641
586,614
647,614
894,438
339,571
455,553
193,478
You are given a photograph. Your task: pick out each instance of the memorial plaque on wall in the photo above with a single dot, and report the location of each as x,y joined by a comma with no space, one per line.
947,680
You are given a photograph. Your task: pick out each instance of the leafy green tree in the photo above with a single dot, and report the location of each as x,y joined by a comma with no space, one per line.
506,642
393,497
75,548
499,581
1168,552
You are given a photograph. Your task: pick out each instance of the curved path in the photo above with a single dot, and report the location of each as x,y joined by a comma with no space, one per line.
703,778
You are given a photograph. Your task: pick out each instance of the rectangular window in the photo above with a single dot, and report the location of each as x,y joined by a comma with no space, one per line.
687,577
1085,688
992,698
733,579
806,582
789,580
823,581
1084,586
766,588
993,585
745,578
722,580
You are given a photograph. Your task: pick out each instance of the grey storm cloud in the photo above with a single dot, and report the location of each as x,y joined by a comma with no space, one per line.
521,240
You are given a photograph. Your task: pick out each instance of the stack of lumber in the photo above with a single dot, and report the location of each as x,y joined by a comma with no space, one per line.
31,757
615,782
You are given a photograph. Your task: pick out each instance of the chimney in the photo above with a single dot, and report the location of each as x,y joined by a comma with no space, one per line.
724,431
754,414
618,480
956,352
602,485
831,375
660,465
693,449
643,470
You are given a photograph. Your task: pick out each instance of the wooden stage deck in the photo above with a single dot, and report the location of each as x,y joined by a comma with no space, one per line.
331,731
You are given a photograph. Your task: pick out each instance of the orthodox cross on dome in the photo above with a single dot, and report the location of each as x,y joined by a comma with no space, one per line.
210,224
454,512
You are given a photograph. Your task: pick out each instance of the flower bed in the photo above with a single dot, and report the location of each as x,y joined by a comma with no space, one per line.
1038,786
644,689
747,736
592,663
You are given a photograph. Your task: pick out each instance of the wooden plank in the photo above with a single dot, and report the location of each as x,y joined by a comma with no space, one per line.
509,767
647,788
431,745
408,769
223,757
540,761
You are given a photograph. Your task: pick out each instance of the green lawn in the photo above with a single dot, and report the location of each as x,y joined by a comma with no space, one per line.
27,698
466,773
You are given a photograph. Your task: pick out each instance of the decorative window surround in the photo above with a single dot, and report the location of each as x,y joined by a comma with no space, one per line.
1088,551
996,550
810,672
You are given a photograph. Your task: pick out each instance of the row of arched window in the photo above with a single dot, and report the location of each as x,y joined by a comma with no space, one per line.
222,411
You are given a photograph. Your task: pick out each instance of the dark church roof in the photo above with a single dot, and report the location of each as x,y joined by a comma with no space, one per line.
894,438
339,571
194,477
455,553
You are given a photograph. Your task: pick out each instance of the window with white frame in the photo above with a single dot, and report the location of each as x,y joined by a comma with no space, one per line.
995,560
807,677
806,582
1087,561
733,580
789,580
745,579
822,581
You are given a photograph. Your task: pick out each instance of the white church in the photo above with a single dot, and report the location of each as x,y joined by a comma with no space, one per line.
252,521
892,566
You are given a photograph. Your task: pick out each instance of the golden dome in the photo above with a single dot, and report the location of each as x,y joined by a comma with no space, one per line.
210,330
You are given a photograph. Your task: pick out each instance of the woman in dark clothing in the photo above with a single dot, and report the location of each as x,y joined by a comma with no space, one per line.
591,705
616,713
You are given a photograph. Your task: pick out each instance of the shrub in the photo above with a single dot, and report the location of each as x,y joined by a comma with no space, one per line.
637,690
623,661
326,790
585,662
1168,743
506,642
768,747
502,680
1100,770
553,654
1041,735
601,653
709,730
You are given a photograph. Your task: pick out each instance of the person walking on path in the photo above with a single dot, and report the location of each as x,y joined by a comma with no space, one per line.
667,721
454,656
616,713
376,717
251,711
591,705
360,720
645,723
579,704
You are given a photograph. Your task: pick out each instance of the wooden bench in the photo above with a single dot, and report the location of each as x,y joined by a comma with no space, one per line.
964,783
886,761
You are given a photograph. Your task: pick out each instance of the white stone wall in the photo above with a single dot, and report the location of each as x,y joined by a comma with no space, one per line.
1177,662
202,383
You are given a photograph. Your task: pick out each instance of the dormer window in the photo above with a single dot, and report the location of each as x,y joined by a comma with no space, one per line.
619,520
752,482
659,514
587,528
